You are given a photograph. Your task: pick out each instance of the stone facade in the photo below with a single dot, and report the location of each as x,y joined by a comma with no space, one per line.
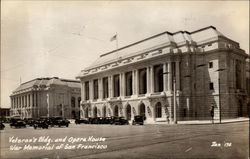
47,97
195,70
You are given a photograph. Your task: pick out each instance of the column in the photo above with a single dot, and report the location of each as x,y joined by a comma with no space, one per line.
177,67
165,82
110,82
169,76
31,100
83,90
100,88
148,80
121,84
152,79
35,100
135,82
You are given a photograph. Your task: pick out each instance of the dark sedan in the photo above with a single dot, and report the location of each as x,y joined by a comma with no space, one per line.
18,124
81,121
41,124
60,121
2,126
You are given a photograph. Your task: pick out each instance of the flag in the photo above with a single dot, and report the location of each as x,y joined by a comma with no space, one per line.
113,37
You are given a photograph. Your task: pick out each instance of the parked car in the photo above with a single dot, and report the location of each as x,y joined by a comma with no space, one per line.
120,121
30,121
41,124
81,121
18,124
107,120
2,126
60,121
138,119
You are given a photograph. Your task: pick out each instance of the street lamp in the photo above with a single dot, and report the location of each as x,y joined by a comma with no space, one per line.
175,117
219,70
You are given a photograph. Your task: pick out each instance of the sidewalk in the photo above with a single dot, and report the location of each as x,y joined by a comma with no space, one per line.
193,122
241,119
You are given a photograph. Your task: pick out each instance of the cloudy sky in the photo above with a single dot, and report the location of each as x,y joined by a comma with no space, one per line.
58,39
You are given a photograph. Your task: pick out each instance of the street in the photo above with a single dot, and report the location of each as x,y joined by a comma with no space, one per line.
228,140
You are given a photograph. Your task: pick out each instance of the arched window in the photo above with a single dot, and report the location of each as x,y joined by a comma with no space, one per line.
158,113
95,112
86,112
73,102
104,111
128,112
73,114
116,111
79,101
142,110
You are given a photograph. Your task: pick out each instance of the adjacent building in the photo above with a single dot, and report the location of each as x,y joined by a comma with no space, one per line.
47,97
189,71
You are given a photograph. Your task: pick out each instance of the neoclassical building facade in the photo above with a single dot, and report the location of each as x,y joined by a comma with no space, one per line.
47,97
190,71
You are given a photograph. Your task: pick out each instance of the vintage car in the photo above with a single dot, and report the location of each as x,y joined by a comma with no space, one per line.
40,124
81,121
18,124
2,126
120,121
60,121
30,121
138,119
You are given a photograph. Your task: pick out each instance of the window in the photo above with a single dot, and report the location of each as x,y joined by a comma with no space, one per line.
116,82
211,85
143,81
158,78
158,113
96,89
128,78
73,102
210,64
105,87
87,90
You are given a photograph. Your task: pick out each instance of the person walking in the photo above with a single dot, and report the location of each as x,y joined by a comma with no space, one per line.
212,113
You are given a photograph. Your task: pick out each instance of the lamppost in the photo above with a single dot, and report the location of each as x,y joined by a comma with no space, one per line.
219,70
174,89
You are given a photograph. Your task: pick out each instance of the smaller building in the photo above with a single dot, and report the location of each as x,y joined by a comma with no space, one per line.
4,112
47,97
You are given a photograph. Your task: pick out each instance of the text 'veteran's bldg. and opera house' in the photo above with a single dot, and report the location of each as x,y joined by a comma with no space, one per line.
195,70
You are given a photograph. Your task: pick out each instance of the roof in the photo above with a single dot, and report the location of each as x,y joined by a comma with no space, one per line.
46,82
156,40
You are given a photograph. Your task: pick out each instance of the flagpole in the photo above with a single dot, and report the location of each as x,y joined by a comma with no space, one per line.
116,41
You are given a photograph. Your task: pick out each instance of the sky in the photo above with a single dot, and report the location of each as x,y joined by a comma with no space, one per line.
59,39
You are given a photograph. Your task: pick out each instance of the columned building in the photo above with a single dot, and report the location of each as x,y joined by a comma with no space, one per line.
47,97
190,70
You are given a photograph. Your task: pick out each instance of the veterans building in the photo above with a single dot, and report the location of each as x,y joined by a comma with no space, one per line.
183,73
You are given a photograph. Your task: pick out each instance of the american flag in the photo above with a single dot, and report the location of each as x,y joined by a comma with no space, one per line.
113,37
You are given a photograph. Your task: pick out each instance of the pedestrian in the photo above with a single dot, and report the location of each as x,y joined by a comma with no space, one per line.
168,119
212,113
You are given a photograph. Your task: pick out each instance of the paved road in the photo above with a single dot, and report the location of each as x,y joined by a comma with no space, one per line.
149,141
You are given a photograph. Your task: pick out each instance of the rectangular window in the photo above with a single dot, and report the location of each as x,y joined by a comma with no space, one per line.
105,87
128,78
116,82
210,64
142,81
87,90
96,89
211,85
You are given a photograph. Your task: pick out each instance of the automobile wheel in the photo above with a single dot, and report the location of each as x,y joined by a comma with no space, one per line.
67,125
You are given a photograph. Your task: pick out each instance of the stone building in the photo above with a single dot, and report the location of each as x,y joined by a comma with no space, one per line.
47,97
205,67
